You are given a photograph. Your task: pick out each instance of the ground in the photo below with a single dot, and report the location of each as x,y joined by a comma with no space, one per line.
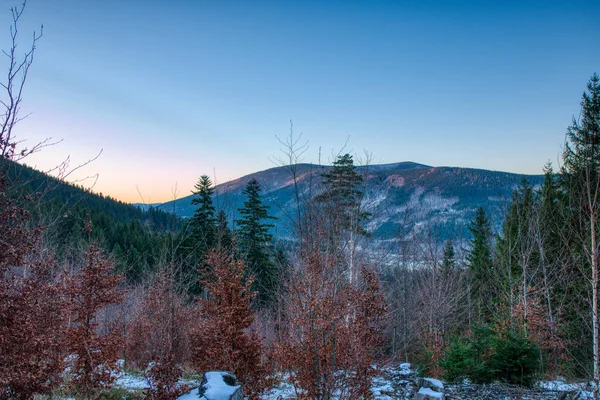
400,382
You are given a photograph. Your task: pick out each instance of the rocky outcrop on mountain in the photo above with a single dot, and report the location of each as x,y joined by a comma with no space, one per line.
401,197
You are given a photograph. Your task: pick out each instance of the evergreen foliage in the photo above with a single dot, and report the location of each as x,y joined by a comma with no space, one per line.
203,223
480,265
200,234
342,196
486,356
448,257
582,149
254,242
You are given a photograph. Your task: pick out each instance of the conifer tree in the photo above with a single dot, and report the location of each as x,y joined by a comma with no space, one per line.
581,178
448,258
516,245
342,195
479,261
254,240
201,234
203,222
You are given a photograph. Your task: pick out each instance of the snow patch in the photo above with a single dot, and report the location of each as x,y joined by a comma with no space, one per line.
431,393
215,386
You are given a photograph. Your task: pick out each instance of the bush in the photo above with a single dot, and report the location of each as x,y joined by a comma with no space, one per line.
468,356
487,355
515,359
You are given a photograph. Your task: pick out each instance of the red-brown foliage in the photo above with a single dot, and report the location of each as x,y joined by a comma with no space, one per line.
363,334
31,307
163,376
31,331
160,324
332,332
542,330
94,354
221,339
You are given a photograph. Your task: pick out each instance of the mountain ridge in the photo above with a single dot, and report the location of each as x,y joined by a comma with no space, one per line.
400,196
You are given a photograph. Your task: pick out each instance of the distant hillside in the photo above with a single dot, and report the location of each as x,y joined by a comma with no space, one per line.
133,236
401,197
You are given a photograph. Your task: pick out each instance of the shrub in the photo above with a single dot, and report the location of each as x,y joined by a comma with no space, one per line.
515,358
487,355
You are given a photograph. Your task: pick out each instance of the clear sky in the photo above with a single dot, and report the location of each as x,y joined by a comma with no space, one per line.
171,90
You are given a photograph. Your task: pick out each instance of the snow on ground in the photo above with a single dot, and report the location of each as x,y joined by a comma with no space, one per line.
131,382
560,385
428,392
193,395
435,382
283,390
216,388
390,383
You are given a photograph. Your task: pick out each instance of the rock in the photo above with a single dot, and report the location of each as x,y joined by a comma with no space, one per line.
429,388
220,385
434,384
428,394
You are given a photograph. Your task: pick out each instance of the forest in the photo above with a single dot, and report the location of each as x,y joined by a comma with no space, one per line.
90,285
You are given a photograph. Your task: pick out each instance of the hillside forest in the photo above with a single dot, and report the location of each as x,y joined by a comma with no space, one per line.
89,285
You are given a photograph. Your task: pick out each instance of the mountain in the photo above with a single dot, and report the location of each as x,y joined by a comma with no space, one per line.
401,197
134,237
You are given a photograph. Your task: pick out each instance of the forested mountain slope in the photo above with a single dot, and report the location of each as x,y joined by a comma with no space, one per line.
399,196
133,236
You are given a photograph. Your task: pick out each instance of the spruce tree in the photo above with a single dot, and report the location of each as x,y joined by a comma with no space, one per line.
582,149
342,196
581,182
515,242
201,234
254,239
203,223
480,265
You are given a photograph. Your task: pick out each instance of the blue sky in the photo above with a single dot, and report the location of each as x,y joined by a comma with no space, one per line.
170,90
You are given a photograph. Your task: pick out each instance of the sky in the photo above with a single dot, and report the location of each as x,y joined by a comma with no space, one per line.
171,90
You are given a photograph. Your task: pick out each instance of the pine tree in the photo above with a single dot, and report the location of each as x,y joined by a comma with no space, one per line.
254,242
480,265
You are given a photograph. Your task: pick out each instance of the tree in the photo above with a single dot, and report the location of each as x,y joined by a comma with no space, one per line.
344,221
342,195
200,234
480,263
254,240
32,322
224,235
221,340
341,188
32,310
331,326
516,247
448,258
581,178
203,221
95,354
